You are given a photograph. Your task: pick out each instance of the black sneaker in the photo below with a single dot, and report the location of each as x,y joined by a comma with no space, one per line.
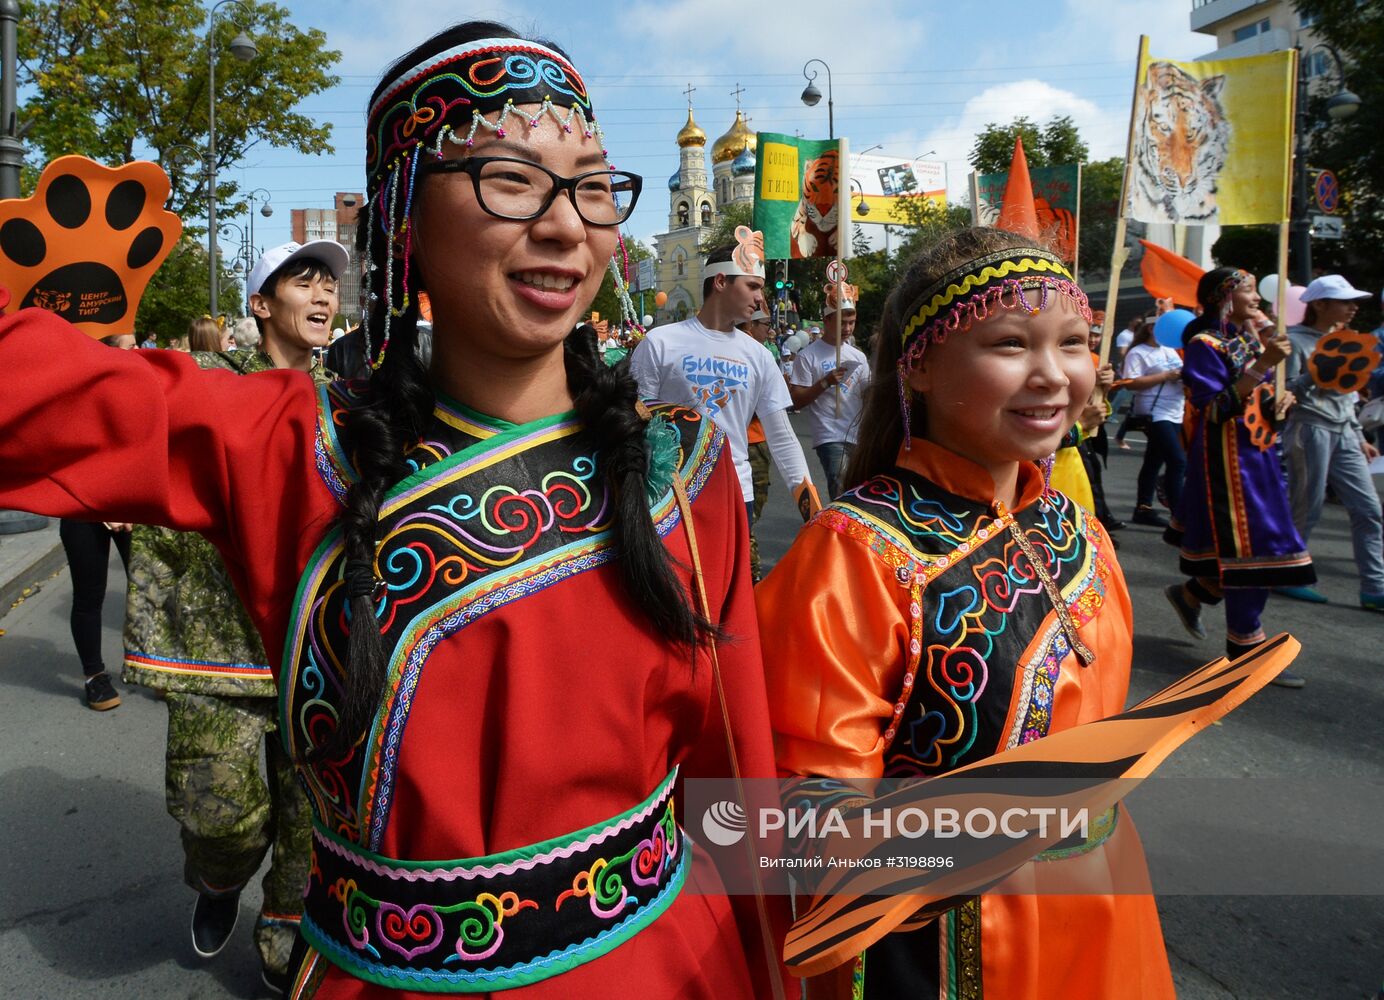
1288,679
1148,516
1187,613
275,982
100,693
213,920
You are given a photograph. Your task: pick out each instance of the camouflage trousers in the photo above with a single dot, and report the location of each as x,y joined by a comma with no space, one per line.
231,816
759,473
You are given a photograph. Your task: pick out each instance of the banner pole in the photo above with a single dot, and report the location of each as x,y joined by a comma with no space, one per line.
843,248
1119,253
1076,242
1280,376
974,183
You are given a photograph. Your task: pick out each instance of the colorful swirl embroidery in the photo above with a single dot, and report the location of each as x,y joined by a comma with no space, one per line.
982,605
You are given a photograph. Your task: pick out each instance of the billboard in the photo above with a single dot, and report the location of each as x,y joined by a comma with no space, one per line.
881,180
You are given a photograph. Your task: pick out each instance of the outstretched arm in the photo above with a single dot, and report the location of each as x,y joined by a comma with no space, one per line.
147,437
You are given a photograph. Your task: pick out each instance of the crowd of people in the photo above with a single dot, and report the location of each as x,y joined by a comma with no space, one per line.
445,638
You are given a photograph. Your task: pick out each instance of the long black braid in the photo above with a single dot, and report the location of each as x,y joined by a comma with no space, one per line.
396,405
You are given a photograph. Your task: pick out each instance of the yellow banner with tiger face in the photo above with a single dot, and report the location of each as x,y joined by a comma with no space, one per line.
1212,141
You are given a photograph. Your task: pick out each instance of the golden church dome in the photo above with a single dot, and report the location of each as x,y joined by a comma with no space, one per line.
691,134
740,138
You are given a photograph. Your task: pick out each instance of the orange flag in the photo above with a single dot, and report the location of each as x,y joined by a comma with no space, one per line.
1168,276
1018,214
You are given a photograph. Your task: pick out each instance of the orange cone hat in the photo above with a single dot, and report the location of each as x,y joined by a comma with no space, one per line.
1018,214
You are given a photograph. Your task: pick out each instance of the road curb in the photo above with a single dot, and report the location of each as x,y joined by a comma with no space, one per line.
41,568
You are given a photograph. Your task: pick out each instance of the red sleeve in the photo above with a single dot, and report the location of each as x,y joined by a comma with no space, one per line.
93,433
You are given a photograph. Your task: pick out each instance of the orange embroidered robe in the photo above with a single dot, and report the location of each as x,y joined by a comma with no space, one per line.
906,633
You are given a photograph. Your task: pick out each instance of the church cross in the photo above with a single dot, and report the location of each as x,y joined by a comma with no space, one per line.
688,94
736,94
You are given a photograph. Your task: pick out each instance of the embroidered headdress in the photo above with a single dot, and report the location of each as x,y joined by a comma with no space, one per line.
451,97
746,260
1022,278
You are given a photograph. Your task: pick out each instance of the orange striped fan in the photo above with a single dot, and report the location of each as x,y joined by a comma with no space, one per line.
1088,767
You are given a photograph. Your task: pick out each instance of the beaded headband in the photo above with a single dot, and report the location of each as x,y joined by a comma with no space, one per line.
990,284
452,96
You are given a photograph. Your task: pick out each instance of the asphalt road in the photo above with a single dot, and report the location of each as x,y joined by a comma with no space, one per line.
92,902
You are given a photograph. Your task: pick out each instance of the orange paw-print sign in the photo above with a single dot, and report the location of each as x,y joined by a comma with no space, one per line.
1258,417
1343,360
87,242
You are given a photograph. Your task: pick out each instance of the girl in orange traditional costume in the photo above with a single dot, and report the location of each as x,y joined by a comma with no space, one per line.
950,605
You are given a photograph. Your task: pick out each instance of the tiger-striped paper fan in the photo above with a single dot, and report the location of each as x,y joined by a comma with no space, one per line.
1093,766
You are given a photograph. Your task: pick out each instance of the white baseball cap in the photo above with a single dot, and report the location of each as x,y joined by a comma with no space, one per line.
759,316
329,252
1332,286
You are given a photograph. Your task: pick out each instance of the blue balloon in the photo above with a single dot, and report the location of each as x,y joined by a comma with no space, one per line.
1167,330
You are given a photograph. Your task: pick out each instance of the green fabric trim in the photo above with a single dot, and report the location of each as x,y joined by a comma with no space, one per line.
475,416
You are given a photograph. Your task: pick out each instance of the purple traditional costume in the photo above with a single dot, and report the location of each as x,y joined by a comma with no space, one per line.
1233,526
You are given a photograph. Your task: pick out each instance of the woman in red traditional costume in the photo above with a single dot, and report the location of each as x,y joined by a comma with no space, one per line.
950,606
493,676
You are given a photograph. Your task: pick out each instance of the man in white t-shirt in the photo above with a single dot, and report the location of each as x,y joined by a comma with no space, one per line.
830,391
1125,338
1154,373
706,363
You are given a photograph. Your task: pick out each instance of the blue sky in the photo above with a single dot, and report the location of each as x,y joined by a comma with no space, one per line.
914,77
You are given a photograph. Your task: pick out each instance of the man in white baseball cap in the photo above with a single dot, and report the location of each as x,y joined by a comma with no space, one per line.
1324,443
294,295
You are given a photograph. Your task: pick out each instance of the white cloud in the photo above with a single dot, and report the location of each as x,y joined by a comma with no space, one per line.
1102,129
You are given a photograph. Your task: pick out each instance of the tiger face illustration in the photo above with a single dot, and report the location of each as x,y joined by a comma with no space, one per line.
812,232
1183,137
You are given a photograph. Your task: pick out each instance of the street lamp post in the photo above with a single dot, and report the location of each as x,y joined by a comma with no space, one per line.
266,210
1340,106
12,522
242,252
11,149
811,95
244,50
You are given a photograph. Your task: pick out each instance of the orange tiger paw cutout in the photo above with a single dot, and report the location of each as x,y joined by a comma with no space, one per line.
1258,418
1343,360
87,242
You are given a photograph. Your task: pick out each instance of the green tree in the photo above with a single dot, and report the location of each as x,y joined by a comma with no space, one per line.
1255,248
1101,181
1056,143
118,80
179,294
1350,147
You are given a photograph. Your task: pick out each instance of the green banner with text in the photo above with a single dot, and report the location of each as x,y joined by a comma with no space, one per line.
796,201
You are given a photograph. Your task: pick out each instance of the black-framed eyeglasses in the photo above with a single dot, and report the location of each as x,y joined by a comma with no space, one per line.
520,190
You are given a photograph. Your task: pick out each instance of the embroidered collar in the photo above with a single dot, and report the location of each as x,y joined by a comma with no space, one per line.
958,474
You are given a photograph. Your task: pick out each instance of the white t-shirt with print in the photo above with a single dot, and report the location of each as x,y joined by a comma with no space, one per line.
811,364
1164,400
729,377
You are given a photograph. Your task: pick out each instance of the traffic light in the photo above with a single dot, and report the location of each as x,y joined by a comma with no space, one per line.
778,286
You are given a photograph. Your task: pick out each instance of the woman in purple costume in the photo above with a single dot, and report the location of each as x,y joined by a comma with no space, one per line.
1233,525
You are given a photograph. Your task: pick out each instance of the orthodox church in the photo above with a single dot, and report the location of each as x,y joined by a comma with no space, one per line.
693,206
